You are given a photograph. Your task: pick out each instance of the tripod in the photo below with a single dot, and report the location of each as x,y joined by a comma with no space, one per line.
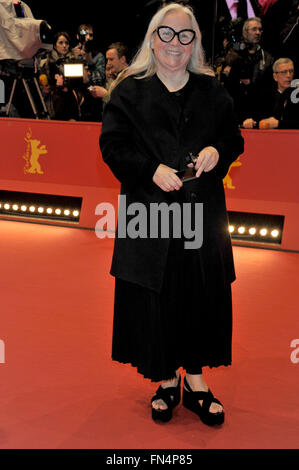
26,82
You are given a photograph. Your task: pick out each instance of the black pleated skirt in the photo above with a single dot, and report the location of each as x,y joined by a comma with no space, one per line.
188,324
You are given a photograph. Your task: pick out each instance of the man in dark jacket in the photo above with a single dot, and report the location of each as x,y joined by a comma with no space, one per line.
279,108
249,71
227,11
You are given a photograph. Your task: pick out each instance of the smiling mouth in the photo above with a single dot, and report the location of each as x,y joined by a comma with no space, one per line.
176,53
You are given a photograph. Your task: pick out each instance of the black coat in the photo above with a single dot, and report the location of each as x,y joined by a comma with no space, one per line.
143,126
282,106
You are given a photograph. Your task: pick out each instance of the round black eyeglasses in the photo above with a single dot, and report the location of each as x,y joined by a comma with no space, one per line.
185,36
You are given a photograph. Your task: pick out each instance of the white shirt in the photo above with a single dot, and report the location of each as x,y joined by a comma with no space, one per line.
232,6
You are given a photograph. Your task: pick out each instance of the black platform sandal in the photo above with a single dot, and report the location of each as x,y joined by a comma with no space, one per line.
190,401
171,397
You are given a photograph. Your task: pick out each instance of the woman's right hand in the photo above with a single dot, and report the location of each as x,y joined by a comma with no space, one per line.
165,177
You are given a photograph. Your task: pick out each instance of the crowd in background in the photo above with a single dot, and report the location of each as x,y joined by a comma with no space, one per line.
251,44
79,98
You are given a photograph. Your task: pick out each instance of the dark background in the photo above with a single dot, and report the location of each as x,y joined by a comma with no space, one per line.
124,21
112,20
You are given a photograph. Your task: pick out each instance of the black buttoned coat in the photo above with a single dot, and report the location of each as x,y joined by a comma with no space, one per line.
144,125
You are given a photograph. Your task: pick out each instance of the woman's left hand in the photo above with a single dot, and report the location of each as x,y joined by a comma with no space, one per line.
206,160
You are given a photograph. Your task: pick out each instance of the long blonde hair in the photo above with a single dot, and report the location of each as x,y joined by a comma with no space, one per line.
144,63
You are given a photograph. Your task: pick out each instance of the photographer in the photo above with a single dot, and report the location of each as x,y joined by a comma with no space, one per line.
249,69
64,102
88,50
227,11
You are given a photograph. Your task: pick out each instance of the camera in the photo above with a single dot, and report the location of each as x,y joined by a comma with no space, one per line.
71,70
21,36
88,45
82,37
232,31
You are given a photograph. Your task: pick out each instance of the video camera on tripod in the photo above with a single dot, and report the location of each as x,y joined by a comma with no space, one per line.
22,38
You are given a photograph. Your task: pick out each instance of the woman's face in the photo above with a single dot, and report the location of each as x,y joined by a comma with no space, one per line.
62,45
172,57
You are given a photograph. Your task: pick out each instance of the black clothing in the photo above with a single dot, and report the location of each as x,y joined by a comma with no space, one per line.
289,39
172,305
255,67
183,326
64,101
281,106
206,18
140,130
277,24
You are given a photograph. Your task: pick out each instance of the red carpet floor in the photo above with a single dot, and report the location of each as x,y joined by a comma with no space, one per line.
60,390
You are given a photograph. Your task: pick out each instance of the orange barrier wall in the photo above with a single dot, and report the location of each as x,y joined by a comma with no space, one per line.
265,179
63,158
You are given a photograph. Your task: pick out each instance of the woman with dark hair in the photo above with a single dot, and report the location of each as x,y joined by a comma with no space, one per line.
172,300
51,71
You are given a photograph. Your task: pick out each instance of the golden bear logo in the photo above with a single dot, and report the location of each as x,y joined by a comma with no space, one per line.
32,153
227,181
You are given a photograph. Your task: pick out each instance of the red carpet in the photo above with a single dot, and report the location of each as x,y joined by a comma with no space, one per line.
60,390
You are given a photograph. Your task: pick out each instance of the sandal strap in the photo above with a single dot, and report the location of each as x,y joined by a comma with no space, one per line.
167,394
206,397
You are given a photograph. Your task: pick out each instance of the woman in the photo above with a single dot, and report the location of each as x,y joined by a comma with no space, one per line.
64,102
172,305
